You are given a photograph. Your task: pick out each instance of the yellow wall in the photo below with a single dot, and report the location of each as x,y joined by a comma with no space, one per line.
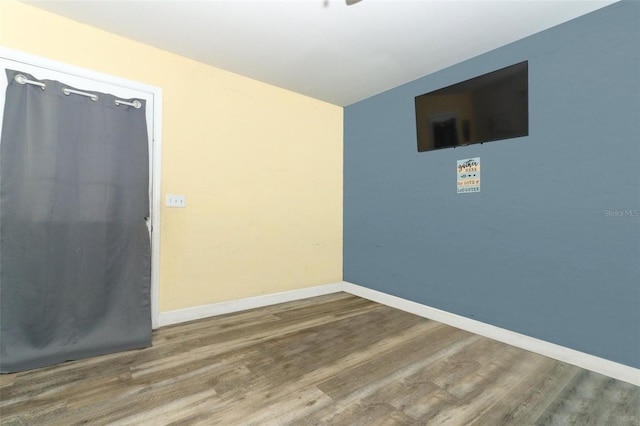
261,167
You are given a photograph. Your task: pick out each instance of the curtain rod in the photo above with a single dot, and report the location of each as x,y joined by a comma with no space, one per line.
21,79
24,80
68,91
136,103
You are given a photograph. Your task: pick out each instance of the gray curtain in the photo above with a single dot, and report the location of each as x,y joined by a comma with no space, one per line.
74,246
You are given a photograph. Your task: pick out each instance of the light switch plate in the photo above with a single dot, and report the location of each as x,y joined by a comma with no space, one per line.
176,200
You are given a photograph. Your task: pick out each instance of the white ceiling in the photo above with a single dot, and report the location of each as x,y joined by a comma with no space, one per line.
323,48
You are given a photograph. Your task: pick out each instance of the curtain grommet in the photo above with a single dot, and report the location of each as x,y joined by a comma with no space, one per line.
22,79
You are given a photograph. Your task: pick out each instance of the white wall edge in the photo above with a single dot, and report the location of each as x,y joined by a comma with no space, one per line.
221,308
570,356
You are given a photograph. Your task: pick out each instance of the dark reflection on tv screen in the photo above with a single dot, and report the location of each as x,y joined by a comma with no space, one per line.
486,108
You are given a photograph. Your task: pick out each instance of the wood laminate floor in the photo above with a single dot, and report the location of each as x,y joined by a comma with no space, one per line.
330,360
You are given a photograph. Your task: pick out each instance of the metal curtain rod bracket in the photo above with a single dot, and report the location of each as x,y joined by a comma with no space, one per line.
21,79
136,103
68,91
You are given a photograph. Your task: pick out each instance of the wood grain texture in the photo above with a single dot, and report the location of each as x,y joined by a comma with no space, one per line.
329,360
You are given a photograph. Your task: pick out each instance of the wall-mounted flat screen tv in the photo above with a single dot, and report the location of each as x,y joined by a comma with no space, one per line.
486,108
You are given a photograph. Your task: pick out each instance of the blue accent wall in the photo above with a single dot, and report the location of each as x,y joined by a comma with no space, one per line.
551,245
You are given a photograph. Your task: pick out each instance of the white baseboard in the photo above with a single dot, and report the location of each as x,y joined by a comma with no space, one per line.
204,311
551,350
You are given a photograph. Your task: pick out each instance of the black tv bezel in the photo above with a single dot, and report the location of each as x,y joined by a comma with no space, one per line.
425,143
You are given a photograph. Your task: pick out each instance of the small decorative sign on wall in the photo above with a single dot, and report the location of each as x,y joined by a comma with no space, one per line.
468,175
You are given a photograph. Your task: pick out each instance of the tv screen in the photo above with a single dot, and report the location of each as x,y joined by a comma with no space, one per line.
489,107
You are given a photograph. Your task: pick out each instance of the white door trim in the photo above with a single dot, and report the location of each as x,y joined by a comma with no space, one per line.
155,146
